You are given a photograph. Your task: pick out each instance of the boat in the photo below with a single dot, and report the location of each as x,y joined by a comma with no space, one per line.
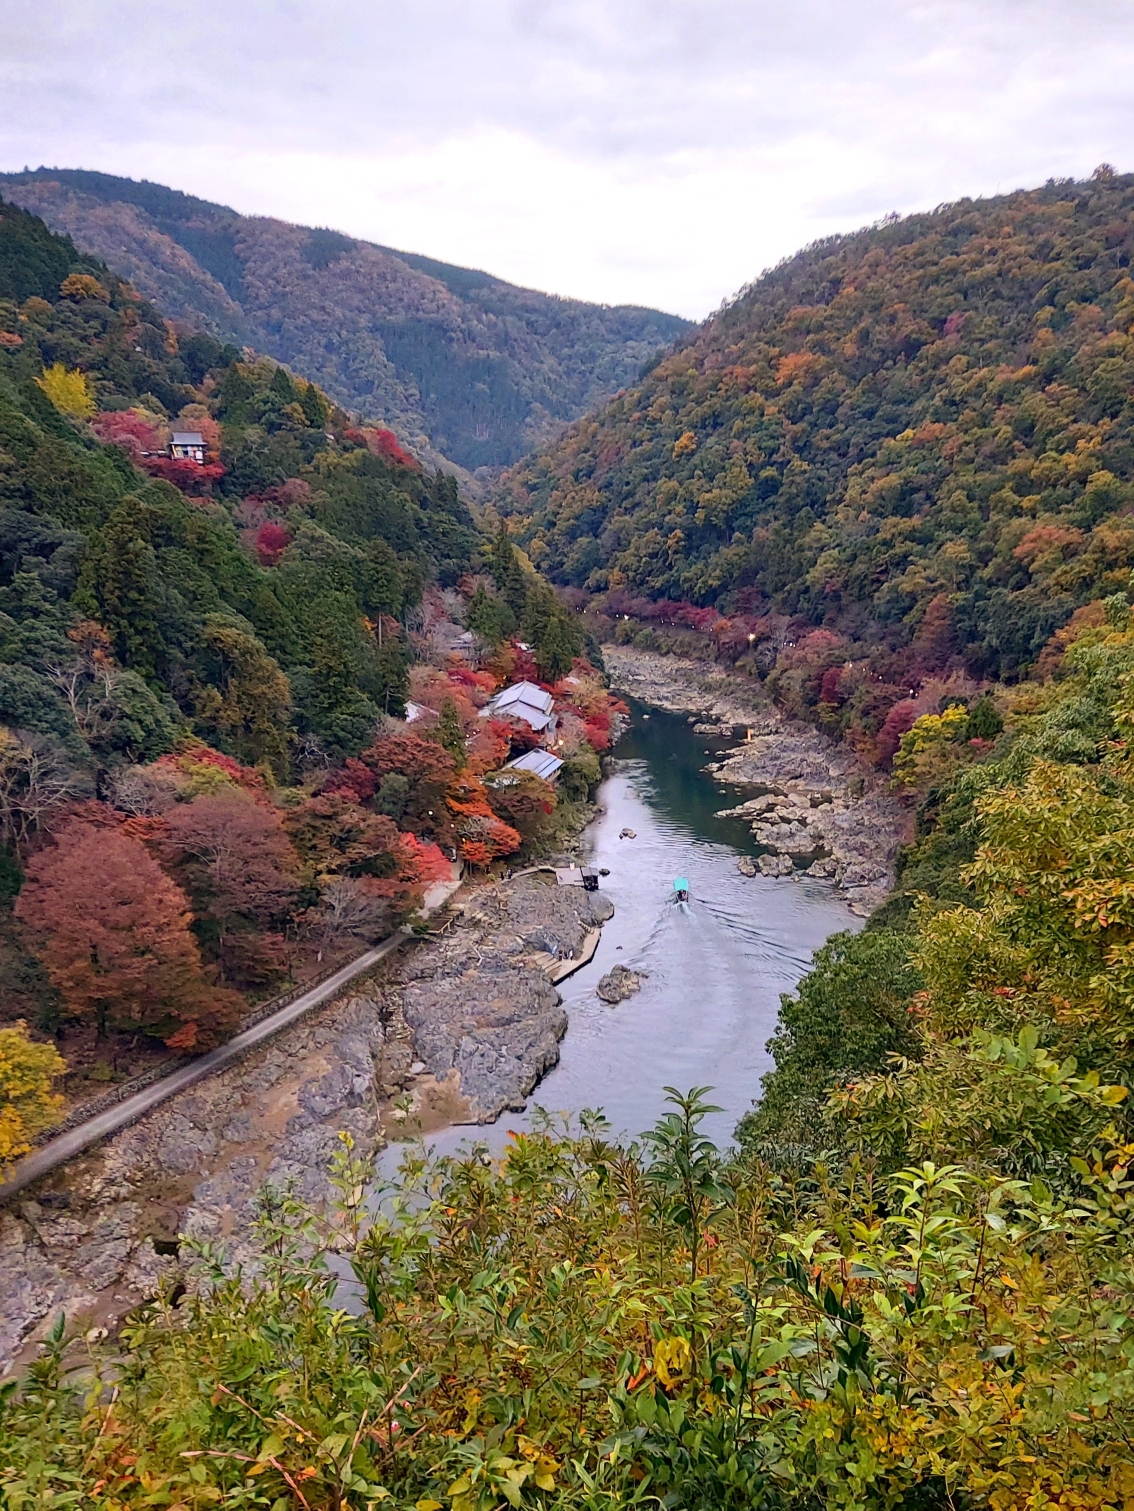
680,889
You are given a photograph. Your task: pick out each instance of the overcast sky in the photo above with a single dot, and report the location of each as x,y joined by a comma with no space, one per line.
654,152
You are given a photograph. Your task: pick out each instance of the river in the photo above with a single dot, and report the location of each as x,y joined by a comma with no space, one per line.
712,972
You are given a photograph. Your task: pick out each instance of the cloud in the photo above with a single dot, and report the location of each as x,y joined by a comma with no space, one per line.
657,153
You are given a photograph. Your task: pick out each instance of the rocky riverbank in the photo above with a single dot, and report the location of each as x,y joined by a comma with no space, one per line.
454,1029
815,810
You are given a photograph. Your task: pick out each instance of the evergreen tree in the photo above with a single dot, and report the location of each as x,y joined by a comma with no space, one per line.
508,574
392,676
449,732
556,648
984,722
118,587
246,703
382,588
489,618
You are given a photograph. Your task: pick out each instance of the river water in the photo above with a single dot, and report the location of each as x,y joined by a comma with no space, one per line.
712,972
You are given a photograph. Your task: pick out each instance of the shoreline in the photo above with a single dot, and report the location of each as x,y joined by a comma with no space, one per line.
816,811
455,1030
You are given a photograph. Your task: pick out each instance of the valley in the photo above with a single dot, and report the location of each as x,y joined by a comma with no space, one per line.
825,608
465,368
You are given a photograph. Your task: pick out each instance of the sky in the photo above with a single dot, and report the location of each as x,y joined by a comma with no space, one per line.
655,152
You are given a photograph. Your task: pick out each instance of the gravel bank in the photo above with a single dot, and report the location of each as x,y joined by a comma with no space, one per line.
815,810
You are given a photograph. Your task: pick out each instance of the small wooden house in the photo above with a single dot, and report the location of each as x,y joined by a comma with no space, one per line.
187,446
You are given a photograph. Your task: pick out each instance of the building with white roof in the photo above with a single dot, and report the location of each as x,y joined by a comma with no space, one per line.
523,700
187,446
540,763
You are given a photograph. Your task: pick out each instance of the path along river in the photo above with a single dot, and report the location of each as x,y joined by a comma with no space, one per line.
712,972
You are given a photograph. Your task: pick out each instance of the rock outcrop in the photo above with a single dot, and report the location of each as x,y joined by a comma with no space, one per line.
479,1006
816,811
618,984
455,1029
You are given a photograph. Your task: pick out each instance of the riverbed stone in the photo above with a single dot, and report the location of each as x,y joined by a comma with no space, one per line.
466,1016
814,807
618,984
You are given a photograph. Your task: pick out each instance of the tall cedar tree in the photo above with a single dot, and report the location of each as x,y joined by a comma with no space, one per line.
449,732
113,933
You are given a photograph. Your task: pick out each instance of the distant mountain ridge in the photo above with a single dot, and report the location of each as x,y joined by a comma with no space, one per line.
918,438
454,359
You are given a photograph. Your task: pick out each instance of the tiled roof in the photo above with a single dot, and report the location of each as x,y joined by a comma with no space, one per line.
540,762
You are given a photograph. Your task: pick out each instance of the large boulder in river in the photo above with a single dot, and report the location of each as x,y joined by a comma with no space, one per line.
619,984
747,866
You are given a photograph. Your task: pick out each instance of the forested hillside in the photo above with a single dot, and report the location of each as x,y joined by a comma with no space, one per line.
453,359
911,1287
916,439
205,782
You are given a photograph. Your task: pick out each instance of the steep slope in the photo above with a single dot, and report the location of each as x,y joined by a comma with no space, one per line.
918,436
297,532
483,369
203,657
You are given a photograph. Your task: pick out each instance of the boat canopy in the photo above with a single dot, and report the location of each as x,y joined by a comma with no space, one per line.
680,884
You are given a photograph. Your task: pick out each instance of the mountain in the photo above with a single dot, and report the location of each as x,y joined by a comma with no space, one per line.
202,658
918,438
449,357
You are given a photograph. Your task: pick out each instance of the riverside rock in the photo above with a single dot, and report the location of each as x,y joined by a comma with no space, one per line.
454,1029
618,984
816,811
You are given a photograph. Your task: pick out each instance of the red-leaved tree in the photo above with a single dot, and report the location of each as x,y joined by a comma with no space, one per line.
272,540
242,873
427,769
112,931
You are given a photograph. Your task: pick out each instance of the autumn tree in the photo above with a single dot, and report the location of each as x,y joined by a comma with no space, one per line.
27,1103
112,931
36,781
427,770
69,389
522,800
483,836
336,836
241,871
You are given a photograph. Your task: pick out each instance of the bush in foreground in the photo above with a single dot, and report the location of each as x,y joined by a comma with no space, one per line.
585,1324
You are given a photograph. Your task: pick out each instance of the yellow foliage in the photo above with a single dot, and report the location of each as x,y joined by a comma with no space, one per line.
83,286
27,1104
672,1359
69,390
684,445
929,738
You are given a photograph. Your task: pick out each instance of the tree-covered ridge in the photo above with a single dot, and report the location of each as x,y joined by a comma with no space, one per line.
358,529
453,358
926,424
205,780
